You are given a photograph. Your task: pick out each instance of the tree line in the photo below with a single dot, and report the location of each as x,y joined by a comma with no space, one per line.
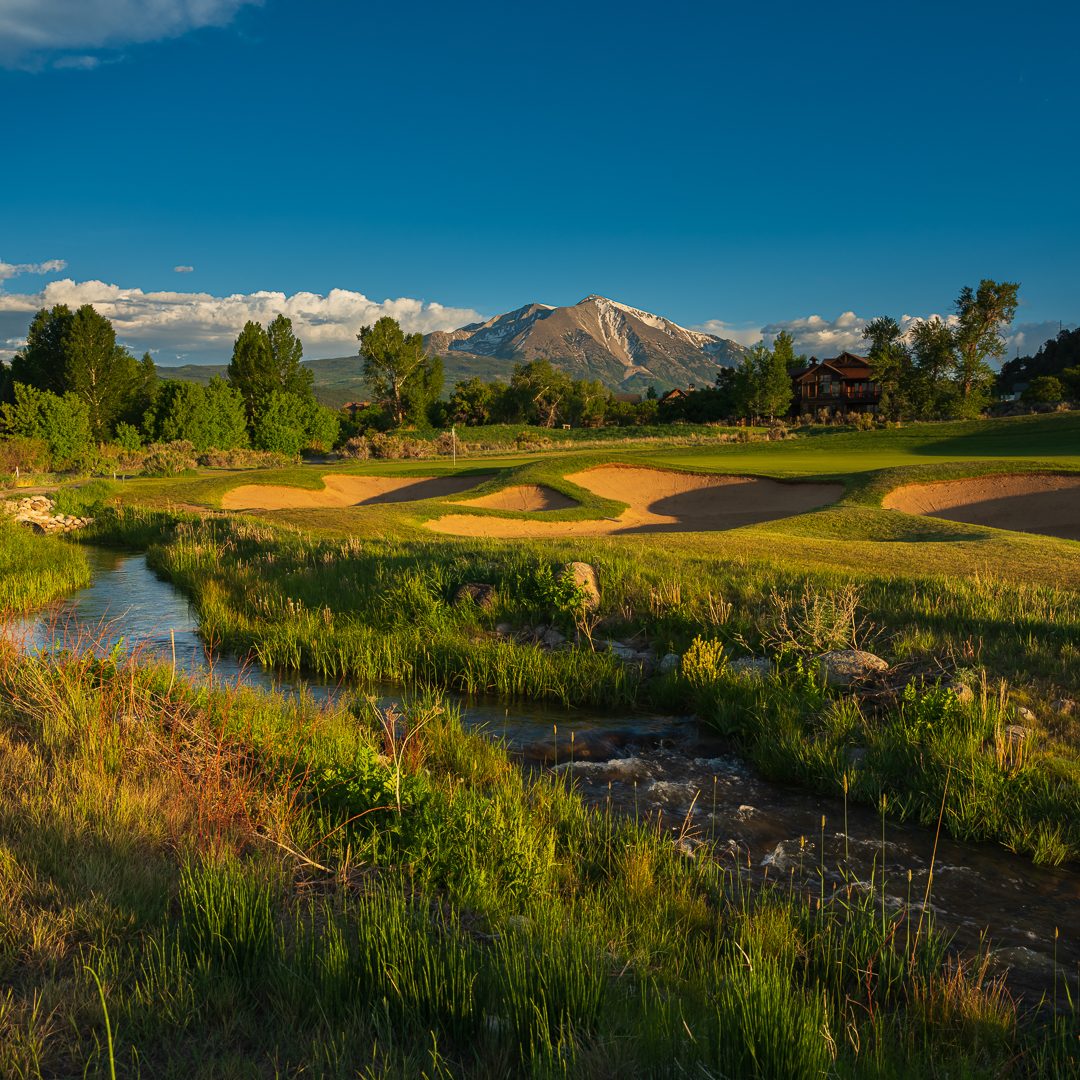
73,385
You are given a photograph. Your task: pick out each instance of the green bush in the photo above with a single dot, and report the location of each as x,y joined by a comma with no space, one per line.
86,501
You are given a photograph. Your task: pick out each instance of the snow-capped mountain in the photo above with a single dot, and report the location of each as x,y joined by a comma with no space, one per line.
624,347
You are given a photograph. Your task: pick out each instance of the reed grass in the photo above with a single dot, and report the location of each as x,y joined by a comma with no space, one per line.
487,925
381,609
36,569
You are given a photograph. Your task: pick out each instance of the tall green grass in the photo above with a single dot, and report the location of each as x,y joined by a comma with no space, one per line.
373,610
36,569
487,925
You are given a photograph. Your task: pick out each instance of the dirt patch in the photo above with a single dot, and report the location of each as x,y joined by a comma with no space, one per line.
526,498
1024,502
661,501
348,491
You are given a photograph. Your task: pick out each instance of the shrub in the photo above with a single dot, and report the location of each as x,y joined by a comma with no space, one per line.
448,443
86,501
128,438
704,661
169,459
23,453
391,447
62,422
239,458
357,447
1044,388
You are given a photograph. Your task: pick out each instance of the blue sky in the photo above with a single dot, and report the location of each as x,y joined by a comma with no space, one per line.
728,166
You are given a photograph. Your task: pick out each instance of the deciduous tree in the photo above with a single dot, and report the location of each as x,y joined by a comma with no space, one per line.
396,370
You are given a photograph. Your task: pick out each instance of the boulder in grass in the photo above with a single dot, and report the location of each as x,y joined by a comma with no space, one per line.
584,577
754,668
1024,714
480,594
964,694
671,662
1064,706
1016,734
842,667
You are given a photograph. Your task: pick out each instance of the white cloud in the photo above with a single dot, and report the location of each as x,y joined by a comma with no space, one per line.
203,327
1028,336
10,270
719,328
823,338
183,269
33,30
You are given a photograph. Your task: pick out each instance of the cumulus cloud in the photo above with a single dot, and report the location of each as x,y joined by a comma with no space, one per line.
822,338
183,269
719,328
32,32
201,327
10,270
1026,337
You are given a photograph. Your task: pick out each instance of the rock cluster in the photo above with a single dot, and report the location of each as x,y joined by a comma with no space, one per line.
36,512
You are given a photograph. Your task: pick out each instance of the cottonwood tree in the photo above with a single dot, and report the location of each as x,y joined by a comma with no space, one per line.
890,364
979,336
398,374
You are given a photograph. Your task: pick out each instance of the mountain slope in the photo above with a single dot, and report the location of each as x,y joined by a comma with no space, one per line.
624,347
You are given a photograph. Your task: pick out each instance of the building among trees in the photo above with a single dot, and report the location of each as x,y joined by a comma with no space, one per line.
843,382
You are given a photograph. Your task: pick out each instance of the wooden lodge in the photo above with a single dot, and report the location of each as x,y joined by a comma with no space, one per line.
842,382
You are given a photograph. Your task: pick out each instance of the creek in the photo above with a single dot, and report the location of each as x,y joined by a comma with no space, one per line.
685,780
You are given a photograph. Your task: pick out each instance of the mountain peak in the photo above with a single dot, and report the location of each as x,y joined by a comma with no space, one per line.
597,338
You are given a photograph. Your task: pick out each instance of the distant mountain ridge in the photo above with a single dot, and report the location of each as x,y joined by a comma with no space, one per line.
623,347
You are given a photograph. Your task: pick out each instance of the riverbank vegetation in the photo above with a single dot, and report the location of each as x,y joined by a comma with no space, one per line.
381,608
231,884
36,569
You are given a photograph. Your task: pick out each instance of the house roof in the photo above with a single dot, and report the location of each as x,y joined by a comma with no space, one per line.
845,366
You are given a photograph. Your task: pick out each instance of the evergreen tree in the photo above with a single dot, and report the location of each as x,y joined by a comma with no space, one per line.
286,352
251,370
78,353
41,363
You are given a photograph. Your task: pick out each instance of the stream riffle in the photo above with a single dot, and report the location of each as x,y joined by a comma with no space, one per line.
668,769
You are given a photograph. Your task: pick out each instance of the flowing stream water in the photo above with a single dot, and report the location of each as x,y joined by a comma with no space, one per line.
686,781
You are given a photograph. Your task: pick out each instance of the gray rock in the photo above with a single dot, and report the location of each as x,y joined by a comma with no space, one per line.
1063,706
553,637
1024,714
584,577
855,756
503,628
481,594
642,664
754,668
1014,733
963,693
842,667
616,649
670,662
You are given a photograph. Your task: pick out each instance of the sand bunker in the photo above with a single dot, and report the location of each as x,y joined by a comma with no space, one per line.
1024,502
661,502
526,498
348,491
